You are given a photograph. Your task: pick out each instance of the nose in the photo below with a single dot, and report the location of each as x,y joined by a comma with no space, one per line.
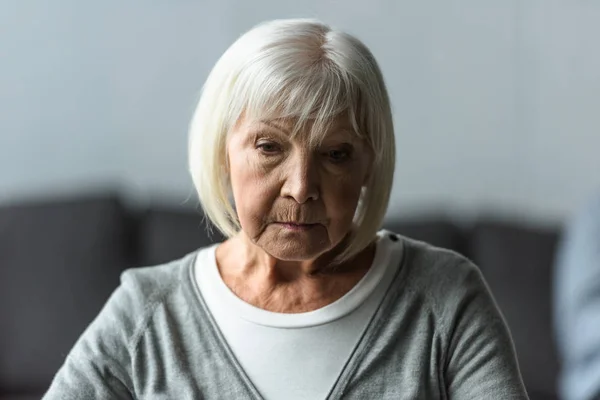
301,179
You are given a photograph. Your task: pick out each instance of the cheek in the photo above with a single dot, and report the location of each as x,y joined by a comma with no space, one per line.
252,192
341,197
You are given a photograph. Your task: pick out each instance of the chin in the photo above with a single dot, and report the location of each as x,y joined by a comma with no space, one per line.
293,245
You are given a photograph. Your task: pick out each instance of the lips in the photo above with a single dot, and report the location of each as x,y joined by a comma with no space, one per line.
296,226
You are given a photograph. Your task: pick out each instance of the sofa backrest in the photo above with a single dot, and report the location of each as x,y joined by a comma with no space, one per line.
59,262
517,262
433,230
166,234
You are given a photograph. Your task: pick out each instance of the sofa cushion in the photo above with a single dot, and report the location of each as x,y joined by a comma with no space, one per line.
37,396
60,261
167,234
517,263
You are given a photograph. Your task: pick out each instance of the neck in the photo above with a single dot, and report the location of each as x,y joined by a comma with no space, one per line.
287,286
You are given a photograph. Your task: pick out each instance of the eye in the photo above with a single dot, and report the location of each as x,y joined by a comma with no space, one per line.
268,148
338,156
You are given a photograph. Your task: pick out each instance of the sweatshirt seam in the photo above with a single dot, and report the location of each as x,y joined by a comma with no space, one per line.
112,367
156,298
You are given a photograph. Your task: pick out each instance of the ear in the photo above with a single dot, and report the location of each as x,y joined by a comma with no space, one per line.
225,166
369,173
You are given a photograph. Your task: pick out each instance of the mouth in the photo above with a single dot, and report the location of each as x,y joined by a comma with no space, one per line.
296,226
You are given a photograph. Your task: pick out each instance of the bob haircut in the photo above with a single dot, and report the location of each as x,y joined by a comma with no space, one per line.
300,69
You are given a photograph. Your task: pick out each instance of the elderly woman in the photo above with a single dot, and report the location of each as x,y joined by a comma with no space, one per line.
292,154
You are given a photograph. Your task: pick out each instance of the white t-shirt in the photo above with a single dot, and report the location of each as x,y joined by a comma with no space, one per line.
297,356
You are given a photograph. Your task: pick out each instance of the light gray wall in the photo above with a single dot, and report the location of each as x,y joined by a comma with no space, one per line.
496,102
57,124
559,101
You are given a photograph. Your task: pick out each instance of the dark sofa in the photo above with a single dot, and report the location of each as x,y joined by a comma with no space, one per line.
61,259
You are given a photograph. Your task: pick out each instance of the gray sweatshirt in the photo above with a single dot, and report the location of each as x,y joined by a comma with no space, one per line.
437,334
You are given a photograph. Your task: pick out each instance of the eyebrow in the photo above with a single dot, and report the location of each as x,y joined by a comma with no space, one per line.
274,125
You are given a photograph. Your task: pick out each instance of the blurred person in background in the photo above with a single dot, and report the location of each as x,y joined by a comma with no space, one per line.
307,298
577,305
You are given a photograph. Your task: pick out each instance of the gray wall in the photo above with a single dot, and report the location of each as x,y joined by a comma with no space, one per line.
496,102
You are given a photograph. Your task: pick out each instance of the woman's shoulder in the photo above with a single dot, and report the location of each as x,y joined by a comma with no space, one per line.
443,284
427,260
101,359
150,282
130,307
442,276
445,295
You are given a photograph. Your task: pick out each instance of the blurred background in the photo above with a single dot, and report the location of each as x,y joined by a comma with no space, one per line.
496,106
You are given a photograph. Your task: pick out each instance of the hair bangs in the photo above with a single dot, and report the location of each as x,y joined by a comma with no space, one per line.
312,96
